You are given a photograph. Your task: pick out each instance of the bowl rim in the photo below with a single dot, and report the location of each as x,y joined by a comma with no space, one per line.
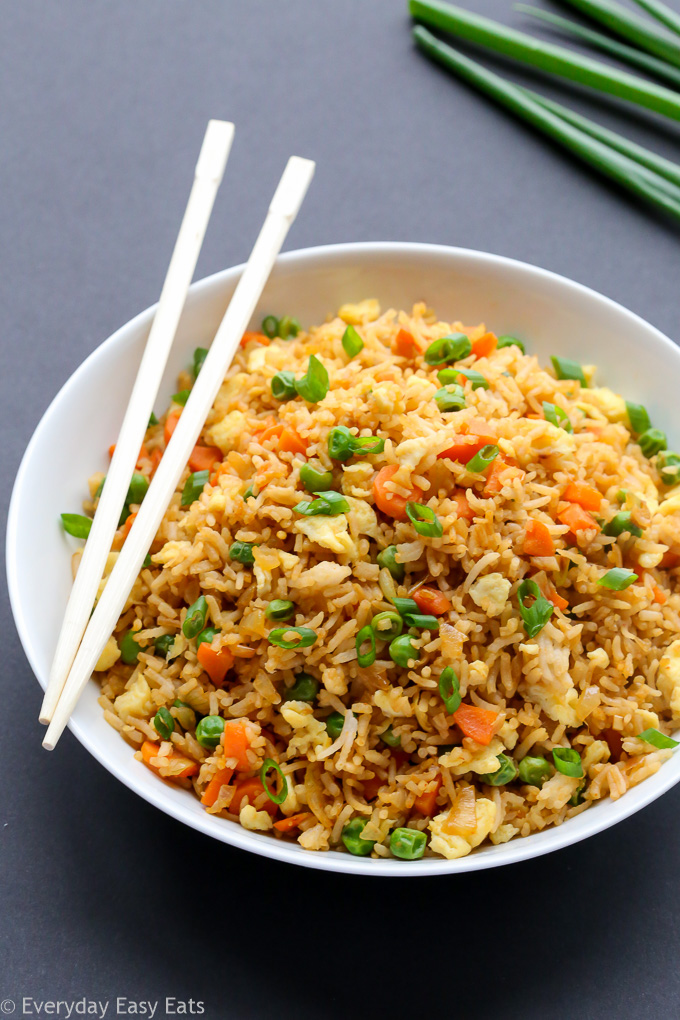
516,850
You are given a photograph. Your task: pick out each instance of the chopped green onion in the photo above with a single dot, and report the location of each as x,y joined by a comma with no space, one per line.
267,765
618,578
351,837
327,504
449,689
147,561
404,606
248,494
314,385
479,382
200,354
129,649
387,625
139,486
306,637
566,369
510,341
568,762
621,522
388,558
194,621
366,634
181,397
387,736
270,326
315,481
424,520
163,723
153,420
408,844
453,347
193,487
280,609
451,399
352,342
342,444
506,772
242,552
288,327
556,416
577,796
305,688
534,770
283,386
163,644
421,621
638,417
402,651
334,724
537,615
656,739
206,636
209,730
668,464
482,459
367,444
652,441
76,524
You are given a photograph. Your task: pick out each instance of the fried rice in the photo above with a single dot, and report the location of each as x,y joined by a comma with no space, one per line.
481,710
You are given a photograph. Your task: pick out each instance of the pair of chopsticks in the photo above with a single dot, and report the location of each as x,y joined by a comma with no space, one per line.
81,643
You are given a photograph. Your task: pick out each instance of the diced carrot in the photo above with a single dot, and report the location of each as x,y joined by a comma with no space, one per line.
292,822
403,344
463,508
499,474
554,596
250,788
465,447
258,338
431,600
371,787
583,494
477,723
155,457
659,596
203,458
170,425
216,664
235,743
537,539
212,791
670,560
151,750
576,518
484,345
426,803
291,442
392,503
128,524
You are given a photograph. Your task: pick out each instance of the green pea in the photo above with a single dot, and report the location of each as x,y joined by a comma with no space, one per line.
129,649
408,844
652,441
206,635
163,723
280,609
402,651
137,490
505,773
388,558
305,688
334,724
163,644
534,770
351,837
315,481
387,736
242,552
209,730
194,621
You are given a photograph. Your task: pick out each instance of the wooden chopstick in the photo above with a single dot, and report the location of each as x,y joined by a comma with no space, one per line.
207,178
282,211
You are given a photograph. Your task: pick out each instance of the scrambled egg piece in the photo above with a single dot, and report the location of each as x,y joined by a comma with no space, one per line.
256,821
257,359
323,575
362,518
490,593
387,398
668,677
110,654
230,392
136,700
330,532
671,501
410,453
356,479
610,404
450,846
418,389
172,553
363,311
473,757
393,702
309,735
226,434
557,791
560,706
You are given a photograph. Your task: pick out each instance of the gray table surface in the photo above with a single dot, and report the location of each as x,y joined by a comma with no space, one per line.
102,113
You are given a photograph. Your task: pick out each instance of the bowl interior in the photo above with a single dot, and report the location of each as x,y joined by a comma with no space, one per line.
551,314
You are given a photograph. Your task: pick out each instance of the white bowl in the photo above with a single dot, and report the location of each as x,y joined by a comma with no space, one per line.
553,315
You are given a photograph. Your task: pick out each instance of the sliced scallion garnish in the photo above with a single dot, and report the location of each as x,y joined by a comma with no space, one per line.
77,525
306,637
568,762
351,342
314,385
193,487
556,416
446,349
449,689
424,520
267,766
482,459
657,739
536,615
365,636
617,579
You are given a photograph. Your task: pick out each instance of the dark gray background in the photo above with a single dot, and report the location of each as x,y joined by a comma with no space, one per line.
103,109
